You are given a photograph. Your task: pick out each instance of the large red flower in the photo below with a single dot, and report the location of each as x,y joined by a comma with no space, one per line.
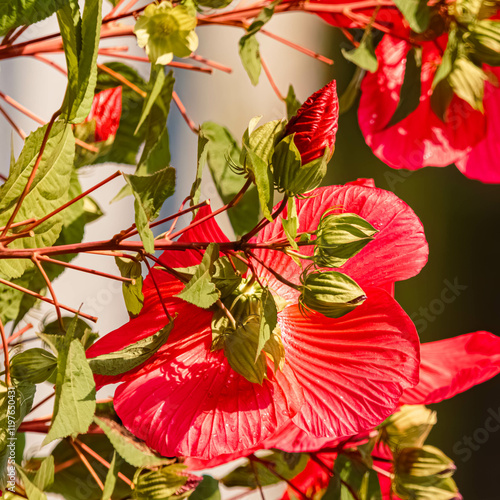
341,376
466,137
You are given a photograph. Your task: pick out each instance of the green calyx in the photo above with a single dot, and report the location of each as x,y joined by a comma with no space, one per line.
330,293
290,176
166,31
246,327
339,237
484,38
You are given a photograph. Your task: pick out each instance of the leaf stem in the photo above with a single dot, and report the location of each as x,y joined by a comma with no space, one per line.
87,464
183,112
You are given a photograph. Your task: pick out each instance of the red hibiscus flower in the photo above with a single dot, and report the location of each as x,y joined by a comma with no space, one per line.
340,376
106,110
448,367
466,137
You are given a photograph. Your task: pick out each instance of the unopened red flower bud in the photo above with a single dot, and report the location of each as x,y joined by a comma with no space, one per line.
315,124
106,110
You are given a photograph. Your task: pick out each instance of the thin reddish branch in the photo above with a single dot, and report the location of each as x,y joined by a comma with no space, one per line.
32,175
104,462
51,63
46,299
35,259
122,79
271,79
165,310
87,464
20,132
5,355
42,402
183,112
213,64
20,332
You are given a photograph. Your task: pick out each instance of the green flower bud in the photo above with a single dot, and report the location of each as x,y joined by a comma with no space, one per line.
290,176
330,293
214,4
34,365
339,237
166,31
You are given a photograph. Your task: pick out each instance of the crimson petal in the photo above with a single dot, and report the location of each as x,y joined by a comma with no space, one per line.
452,366
353,369
106,110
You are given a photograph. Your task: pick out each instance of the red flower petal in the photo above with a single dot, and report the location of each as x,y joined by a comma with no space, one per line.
421,139
106,110
452,366
482,162
398,252
353,369
316,123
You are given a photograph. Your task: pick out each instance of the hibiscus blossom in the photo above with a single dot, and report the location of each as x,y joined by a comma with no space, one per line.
466,136
340,376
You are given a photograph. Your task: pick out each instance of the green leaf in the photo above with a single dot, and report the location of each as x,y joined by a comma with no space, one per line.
25,12
202,158
156,82
348,98
74,404
244,476
200,290
208,489
263,178
125,145
81,44
485,40
34,365
150,192
49,191
361,480
268,319
225,278
44,476
411,88
131,356
250,57
131,449
263,139
292,103
159,484
467,80
92,211
416,12
32,491
132,292
112,476
221,150
363,56
75,482
291,223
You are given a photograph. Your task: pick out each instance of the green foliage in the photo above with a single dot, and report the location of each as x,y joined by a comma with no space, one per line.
131,449
411,88
49,190
159,484
200,290
126,144
75,483
150,192
251,476
363,56
467,81
132,292
25,12
416,12
44,478
112,476
81,44
74,404
208,489
129,357
348,98
34,365
485,40
292,103
352,475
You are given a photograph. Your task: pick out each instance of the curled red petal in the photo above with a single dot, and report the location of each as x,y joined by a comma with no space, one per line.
421,139
106,110
353,369
449,367
315,124
398,252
